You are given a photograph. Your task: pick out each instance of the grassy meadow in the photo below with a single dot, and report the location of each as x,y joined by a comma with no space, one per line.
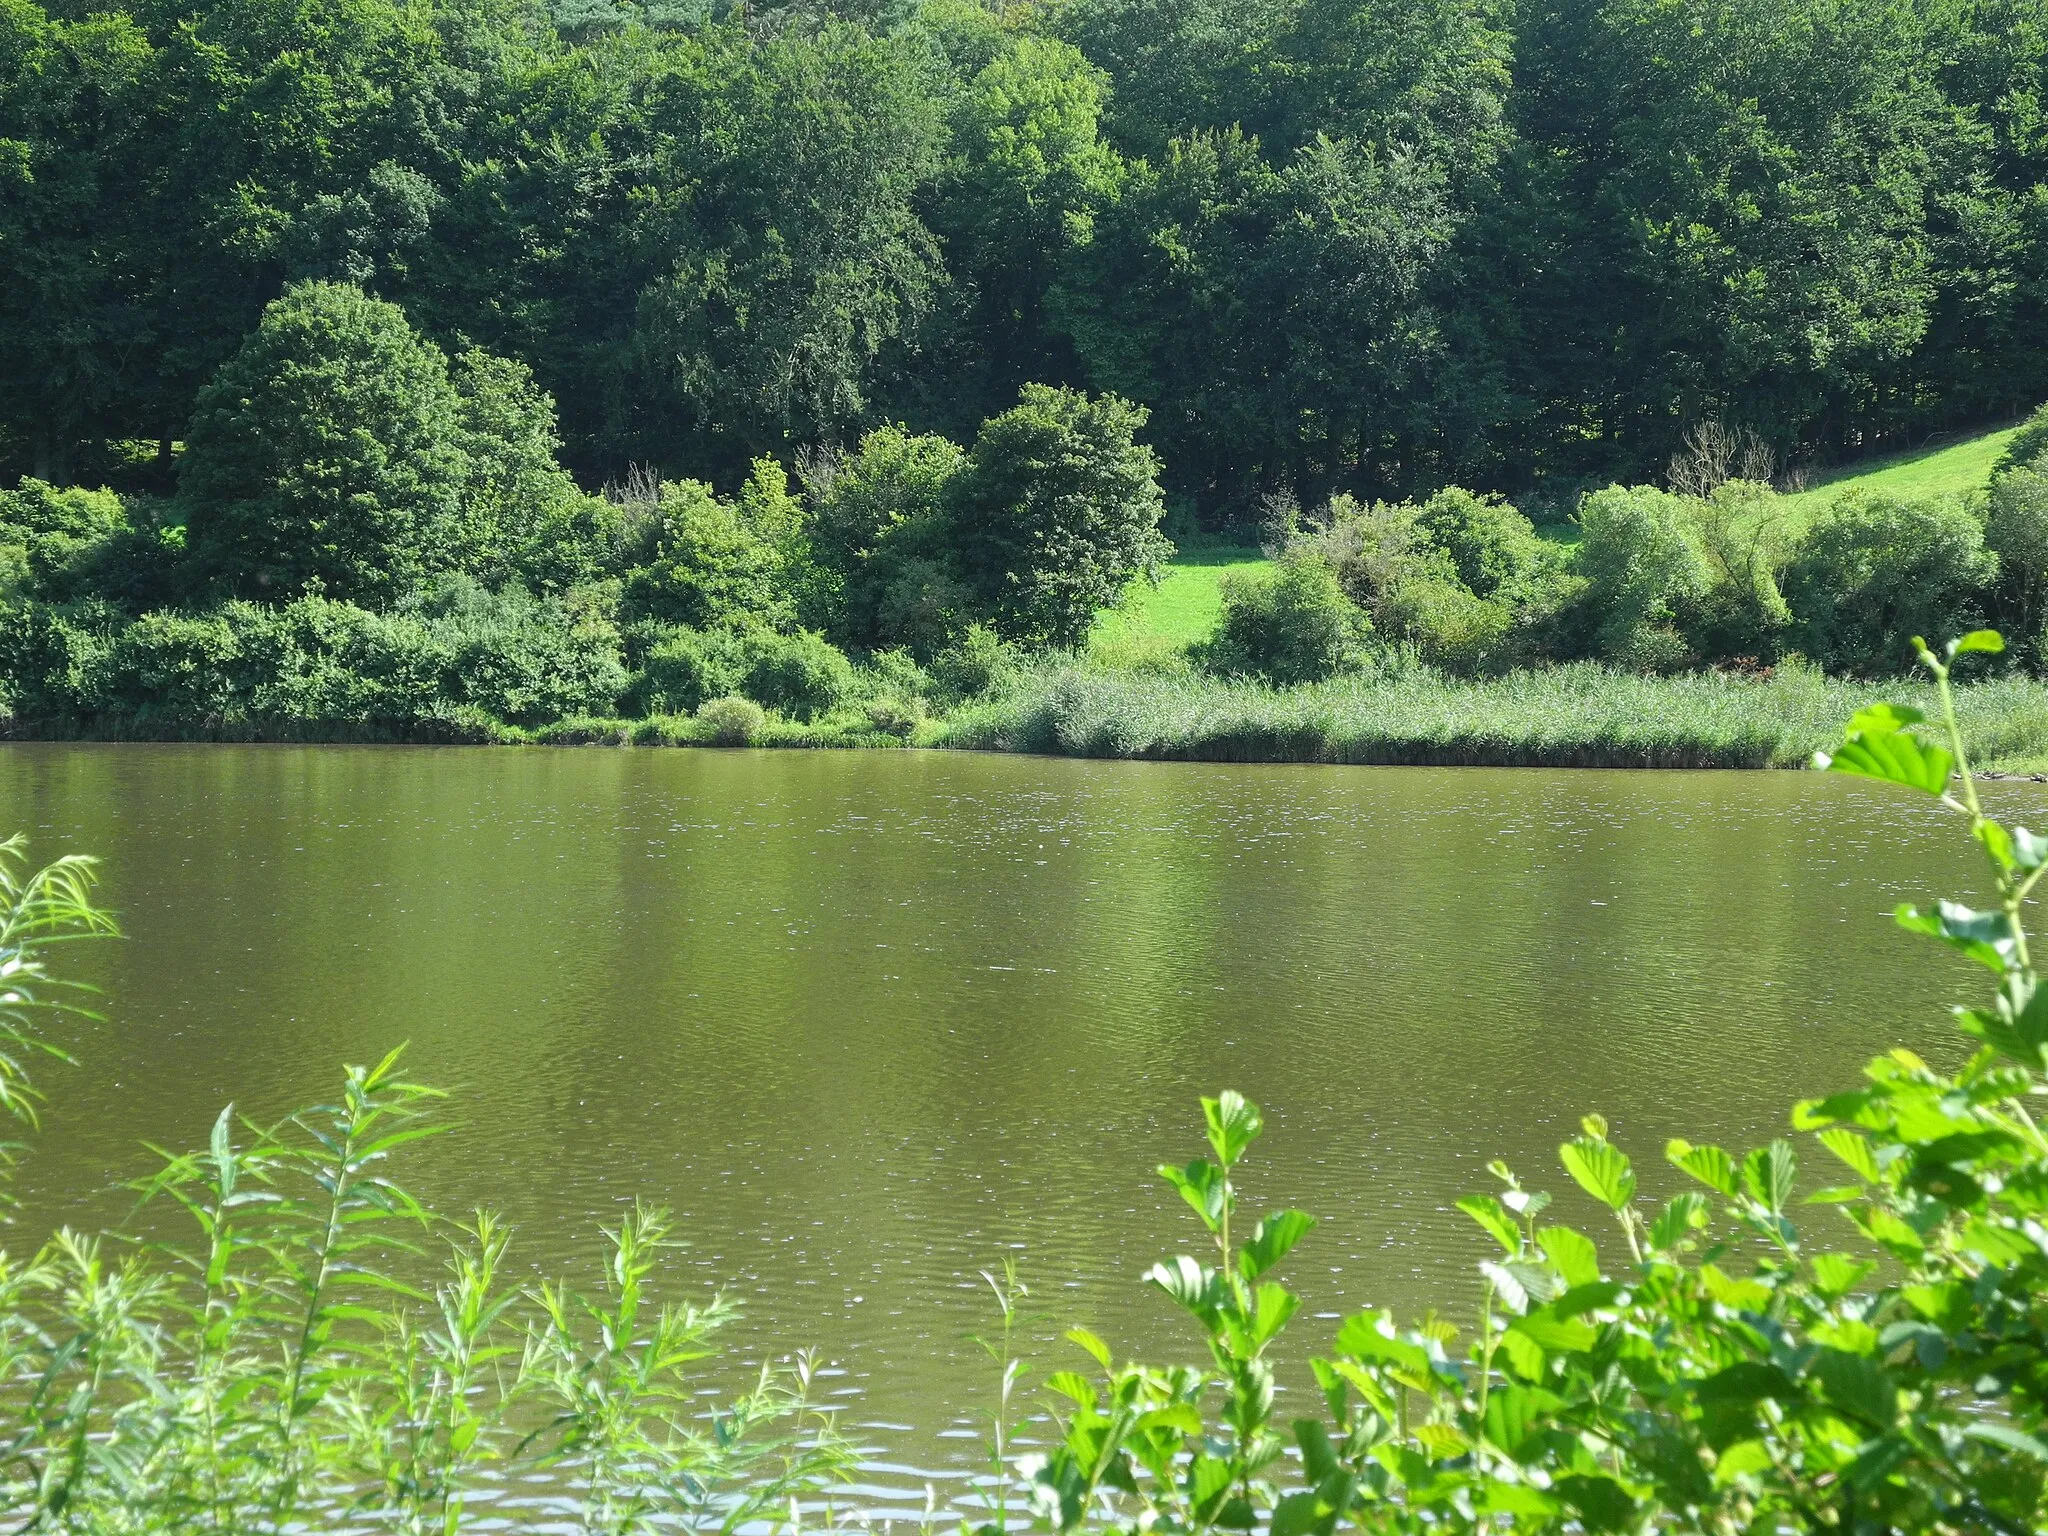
1947,469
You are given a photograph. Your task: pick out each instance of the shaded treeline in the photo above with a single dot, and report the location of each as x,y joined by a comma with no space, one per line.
1332,247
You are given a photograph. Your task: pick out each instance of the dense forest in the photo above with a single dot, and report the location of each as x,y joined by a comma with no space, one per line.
453,367
1331,246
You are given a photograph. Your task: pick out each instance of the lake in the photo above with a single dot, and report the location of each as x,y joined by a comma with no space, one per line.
873,1022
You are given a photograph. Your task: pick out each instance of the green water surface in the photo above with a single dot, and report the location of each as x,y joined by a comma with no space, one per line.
872,1022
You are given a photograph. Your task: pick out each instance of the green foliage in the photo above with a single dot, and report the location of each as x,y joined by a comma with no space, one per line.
280,1360
1493,548
244,665
979,662
1646,576
516,499
734,721
1876,571
1411,568
2028,447
1292,626
71,544
2016,531
799,675
1058,508
883,526
702,561
327,454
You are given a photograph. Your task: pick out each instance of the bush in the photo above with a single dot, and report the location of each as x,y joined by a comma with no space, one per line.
2028,447
801,675
2016,531
882,526
1058,509
893,674
703,563
1448,625
1401,563
1294,625
507,655
51,658
519,658
734,721
1493,548
978,662
65,546
894,715
1745,539
177,667
328,450
1876,570
1645,577
684,668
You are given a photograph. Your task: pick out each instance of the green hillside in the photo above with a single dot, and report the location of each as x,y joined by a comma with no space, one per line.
1184,607
1949,468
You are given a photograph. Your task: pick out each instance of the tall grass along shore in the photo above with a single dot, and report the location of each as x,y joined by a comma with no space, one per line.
1575,716
1579,716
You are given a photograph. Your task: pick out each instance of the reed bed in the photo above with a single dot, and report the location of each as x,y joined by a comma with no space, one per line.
1573,716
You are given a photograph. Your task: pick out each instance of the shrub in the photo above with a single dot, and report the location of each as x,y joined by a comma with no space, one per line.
801,675
1492,547
978,662
1058,509
894,715
1448,626
51,658
734,721
65,546
2028,447
1745,539
521,659
684,668
1645,575
316,659
883,527
329,449
2016,531
1294,625
703,564
1401,563
175,666
50,536
1876,570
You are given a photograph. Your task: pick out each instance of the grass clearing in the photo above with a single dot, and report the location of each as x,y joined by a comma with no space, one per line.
1948,469
1183,608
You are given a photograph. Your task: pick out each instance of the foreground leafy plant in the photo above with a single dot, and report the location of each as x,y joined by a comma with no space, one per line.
287,1369
1719,1367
